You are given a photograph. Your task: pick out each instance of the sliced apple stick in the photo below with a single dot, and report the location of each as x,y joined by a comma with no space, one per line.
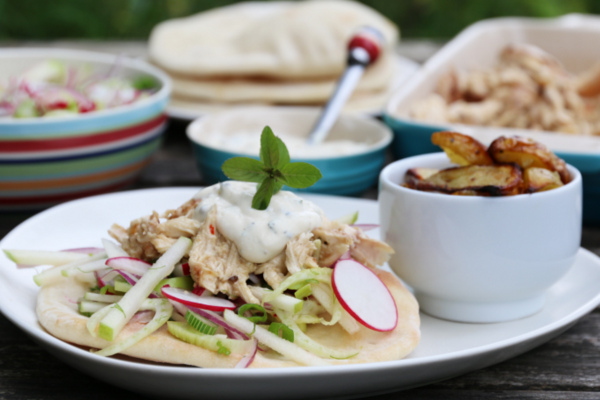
120,313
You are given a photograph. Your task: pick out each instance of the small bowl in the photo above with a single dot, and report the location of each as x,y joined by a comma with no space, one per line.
478,259
45,161
352,171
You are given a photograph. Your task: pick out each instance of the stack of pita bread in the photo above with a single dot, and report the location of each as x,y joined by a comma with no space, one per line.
279,52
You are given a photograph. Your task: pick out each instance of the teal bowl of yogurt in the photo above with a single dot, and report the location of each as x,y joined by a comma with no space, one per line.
350,158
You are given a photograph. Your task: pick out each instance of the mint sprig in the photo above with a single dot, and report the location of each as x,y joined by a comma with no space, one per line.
272,171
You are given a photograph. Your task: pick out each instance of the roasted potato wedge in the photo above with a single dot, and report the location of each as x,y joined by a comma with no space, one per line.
415,175
527,153
588,83
490,180
540,179
462,149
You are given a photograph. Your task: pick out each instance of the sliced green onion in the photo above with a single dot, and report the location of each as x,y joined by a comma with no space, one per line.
200,324
282,329
259,314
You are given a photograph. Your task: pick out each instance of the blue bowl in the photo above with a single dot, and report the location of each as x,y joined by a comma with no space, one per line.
414,138
343,174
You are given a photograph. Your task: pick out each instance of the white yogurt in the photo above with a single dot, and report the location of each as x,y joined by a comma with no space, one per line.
259,235
249,143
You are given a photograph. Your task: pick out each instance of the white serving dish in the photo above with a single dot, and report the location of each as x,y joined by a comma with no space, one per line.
572,39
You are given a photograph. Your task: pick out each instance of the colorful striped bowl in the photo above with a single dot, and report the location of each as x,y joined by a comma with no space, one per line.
45,161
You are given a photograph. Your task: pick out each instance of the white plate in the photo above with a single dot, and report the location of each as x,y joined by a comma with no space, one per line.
190,110
447,349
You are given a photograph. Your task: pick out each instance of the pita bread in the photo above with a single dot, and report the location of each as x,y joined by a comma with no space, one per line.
240,89
57,313
291,40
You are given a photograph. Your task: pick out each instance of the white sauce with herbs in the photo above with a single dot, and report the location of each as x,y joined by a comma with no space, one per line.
258,235
249,143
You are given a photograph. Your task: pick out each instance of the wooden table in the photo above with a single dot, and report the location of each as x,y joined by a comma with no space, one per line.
567,367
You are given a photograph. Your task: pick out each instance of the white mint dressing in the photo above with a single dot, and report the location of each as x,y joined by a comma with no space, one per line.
259,235
249,143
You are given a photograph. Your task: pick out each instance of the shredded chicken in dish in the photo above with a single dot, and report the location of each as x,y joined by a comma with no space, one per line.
527,89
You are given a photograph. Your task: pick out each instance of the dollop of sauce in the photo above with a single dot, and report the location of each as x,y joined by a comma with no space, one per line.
259,235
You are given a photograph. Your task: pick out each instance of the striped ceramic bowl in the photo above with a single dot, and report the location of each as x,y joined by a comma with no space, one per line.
45,161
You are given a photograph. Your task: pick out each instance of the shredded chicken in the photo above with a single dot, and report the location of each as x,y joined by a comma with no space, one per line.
148,237
216,264
527,89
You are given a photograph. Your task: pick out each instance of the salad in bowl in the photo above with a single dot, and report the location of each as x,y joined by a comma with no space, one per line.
56,88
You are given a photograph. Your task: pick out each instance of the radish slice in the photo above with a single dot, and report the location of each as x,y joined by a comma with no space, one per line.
132,265
190,299
85,250
366,227
364,295
248,358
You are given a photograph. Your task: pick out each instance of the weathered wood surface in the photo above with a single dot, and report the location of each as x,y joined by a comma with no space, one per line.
567,367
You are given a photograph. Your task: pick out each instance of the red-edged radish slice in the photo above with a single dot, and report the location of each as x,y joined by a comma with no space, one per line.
106,277
365,297
85,250
132,265
248,358
365,227
190,299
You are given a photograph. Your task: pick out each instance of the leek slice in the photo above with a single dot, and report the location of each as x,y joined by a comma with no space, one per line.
348,219
55,274
121,312
307,343
85,268
299,279
162,312
218,343
288,349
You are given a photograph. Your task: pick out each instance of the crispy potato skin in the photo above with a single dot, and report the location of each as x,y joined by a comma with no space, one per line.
486,180
540,179
518,165
527,153
462,149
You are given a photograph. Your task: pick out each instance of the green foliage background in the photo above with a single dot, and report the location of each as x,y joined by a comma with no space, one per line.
134,19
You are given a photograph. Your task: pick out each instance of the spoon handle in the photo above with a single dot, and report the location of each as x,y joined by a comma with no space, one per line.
363,49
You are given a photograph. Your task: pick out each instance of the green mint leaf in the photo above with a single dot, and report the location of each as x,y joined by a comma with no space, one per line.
272,171
300,175
264,191
273,152
244,169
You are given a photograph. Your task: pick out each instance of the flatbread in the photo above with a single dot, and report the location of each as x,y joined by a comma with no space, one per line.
376,78
57,313
291,40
